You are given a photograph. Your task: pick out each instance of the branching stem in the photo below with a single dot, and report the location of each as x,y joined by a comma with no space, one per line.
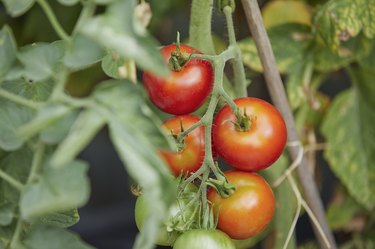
18,100
53,20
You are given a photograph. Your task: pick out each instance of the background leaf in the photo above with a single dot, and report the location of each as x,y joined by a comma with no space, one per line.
288,41
111,63
349,132
12,117
68,2
41,60
63,219
82,52
7,50
117,29
56,190
48,237
17,7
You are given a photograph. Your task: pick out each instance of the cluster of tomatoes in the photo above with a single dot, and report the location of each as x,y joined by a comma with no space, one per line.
250,139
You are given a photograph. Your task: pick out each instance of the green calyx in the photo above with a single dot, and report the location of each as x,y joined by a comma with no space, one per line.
178,60
222,187
244,121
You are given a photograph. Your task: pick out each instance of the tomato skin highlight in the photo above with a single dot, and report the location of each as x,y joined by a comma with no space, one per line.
204,239
191,157
249,210
184,91
254,149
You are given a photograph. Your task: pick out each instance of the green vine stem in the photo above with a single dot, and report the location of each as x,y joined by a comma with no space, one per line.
200,26
16,236
53,20
238,67
18,100
16,184
88,10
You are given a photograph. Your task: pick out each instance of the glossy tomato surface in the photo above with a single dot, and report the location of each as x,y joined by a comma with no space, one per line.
184,91
258,147
249,210
190,158
204,239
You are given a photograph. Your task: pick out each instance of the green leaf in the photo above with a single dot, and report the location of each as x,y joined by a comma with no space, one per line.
286,204
17,7
12,117
111,64
348,129
118,30
59,130
41,60
68,2
342,20
17,165
8,50
45,117
6,214
289,41
56,190
82,52
136,136
63,219
86,126
49,237
342,211
37,91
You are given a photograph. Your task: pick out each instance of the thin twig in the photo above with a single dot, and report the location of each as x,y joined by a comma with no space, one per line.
12,181
18,99
278,95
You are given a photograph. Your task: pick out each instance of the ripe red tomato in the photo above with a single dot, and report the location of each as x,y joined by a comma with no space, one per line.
249,210
259,146
190,158
184,91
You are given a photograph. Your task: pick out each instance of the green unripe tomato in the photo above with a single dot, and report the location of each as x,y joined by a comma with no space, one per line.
207,239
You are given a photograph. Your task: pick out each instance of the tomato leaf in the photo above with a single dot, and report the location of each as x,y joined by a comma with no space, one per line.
86,126
117,29
63,219
340,20
6,214
111,64
82,52
349,131
136,135
17,7
56,190
12,117
288,41
49,237
37,91
41,61
8,49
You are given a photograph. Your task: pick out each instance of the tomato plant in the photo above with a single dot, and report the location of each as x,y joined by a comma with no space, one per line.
69,75
190,152
251,140
184,90
180,216
249,210
208,239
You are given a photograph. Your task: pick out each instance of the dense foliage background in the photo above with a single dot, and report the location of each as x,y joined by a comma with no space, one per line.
60,88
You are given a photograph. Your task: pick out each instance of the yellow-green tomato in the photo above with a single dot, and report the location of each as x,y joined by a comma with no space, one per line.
207,239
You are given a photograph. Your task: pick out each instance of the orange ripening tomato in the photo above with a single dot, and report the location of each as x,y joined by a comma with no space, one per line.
249,210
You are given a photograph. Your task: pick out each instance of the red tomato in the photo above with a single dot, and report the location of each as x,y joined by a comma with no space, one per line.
249,210
260,145
190,158
184,91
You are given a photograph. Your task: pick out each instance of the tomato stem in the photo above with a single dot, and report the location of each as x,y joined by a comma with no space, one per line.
178,60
